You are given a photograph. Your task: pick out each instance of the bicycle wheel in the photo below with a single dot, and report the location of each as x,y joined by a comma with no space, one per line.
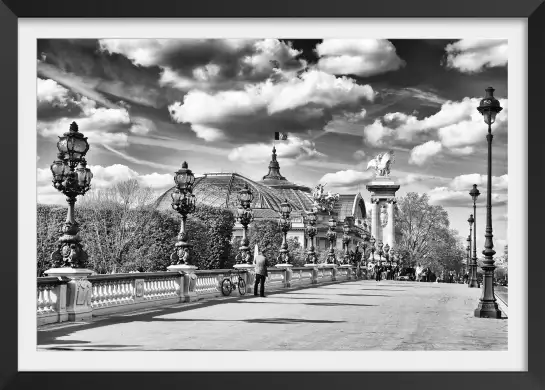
241,286
226,287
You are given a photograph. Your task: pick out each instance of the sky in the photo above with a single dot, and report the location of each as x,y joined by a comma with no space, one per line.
147,105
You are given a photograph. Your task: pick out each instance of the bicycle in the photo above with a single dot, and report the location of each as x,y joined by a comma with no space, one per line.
228,286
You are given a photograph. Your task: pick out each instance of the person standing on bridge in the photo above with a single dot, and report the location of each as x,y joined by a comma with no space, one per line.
261,273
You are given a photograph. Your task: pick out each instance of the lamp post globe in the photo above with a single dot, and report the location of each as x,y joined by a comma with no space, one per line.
244,217
346,241
311,231
285,226
183,202
332,237
489,107
472,264
71,181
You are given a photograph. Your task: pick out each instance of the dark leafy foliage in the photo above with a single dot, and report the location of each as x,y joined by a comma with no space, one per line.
210,232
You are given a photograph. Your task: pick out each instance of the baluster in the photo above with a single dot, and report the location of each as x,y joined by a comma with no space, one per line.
146,289
48,298
40,303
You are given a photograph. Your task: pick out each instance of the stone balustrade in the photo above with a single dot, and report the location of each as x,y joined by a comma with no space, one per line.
51,300
110,294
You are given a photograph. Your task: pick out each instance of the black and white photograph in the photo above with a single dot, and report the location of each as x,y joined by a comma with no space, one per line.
222,194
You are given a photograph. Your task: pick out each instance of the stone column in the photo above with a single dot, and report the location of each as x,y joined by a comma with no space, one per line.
374,218
189,280
391,223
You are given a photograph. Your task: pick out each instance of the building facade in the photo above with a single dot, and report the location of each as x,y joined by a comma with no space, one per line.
221,190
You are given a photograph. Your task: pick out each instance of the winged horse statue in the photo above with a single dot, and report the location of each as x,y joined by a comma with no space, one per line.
381,163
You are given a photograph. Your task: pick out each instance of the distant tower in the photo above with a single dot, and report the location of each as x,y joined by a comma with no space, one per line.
274,169
383,189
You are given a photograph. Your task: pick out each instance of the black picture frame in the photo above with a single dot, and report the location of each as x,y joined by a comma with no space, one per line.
11,10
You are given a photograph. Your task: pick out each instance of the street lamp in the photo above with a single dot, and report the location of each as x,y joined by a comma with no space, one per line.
380,252
488,308
183,201
244,217
71,181
332,237
373,248
364,246
346,241
311,231
468,250
472,282
285,225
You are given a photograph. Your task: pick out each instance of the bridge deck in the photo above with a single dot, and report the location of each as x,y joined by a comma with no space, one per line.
360,315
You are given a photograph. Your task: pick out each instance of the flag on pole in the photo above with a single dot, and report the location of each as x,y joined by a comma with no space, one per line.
280,136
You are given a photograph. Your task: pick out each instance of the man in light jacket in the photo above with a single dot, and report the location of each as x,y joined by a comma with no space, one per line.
261,264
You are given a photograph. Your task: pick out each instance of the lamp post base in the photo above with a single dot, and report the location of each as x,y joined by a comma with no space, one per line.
488,310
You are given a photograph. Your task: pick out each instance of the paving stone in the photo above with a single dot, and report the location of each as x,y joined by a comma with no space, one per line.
356,315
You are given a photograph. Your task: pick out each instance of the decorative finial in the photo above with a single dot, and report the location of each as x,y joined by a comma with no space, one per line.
184,164
73,126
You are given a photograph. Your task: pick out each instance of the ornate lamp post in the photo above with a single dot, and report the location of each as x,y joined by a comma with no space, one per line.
471,283
489,108
285,225
472,264
332,237
373,248
244,217
364,246
311,232
71,181
346,241
380,251
183,201
468,252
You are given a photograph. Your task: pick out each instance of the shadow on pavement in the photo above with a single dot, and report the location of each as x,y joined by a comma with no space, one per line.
313,304
49,335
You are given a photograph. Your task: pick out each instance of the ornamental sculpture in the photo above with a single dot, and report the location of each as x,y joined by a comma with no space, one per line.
383,216
71,181
324,202
381,163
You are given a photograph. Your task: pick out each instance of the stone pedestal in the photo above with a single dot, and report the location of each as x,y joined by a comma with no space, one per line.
78,292
348,269
189,281
250,275
314,270
289,272
383,190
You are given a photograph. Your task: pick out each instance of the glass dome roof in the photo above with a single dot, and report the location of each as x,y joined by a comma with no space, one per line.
221,190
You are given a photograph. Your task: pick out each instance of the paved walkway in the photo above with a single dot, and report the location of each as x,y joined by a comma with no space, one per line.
355,315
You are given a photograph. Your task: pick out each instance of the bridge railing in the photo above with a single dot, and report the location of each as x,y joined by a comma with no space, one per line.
62,299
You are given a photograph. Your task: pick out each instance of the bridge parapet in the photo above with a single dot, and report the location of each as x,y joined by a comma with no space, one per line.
119,293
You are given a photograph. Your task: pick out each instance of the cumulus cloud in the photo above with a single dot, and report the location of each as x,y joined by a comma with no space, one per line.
293,150
347,178
457,124
475,55
448,197
359,154
347,122
361,57
103,177
465,182
208,63
412,178
49,91
99,124
304,98
422,153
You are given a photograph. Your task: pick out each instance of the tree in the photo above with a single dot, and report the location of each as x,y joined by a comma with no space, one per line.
268,237
423,234
119,213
